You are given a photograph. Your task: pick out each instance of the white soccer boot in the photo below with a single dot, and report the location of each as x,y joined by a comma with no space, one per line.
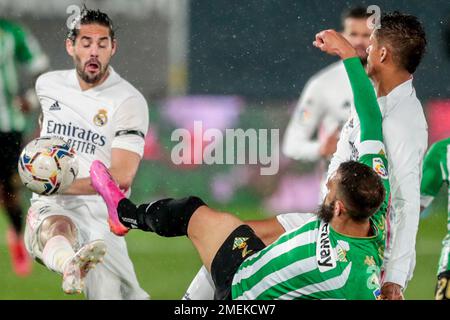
79,265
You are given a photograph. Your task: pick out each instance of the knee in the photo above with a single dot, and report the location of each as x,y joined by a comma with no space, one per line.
206,219
57,226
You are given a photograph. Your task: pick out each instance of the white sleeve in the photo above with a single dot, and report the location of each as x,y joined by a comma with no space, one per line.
405,146
298,143
131,125
343,151
291,221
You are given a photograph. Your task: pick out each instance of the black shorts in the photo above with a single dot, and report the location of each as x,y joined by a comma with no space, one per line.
11,144
240,244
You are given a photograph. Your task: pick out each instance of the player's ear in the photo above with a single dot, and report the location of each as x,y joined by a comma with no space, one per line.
70,47
114,47
339,208
383,55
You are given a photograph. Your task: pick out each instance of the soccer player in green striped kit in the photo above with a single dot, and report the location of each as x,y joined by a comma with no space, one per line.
436,173
17,47
336,254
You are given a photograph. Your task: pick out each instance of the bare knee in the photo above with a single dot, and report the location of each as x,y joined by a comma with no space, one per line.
208,229
57,226
207,220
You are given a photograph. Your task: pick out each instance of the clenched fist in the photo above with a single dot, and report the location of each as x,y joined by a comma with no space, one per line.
334,43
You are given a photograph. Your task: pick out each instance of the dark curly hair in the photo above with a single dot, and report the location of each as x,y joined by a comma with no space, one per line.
361,190
405,36
89,16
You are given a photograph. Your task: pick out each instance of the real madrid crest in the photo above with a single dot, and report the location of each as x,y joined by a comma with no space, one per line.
101,118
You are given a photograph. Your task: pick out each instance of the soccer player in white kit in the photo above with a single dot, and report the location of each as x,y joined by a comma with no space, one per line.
324,105
102,117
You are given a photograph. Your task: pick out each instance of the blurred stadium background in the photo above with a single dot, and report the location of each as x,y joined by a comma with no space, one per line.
233,64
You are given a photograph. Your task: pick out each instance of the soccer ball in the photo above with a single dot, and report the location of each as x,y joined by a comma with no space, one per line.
48,165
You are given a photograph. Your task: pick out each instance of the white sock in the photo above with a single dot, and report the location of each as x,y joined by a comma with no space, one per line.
56,253
201,288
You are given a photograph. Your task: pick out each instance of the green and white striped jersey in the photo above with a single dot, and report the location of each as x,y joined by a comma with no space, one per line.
435,173
316,262
17,46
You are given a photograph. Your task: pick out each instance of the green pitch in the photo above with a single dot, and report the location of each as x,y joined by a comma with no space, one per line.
165,267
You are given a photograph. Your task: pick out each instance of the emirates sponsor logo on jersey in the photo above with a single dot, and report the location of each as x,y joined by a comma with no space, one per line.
82,140
325,253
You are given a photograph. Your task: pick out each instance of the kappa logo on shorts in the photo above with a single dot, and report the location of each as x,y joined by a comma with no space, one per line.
101,118
379,168
241,244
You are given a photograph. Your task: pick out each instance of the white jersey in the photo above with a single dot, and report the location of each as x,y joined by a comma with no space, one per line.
111,115
406,139
324,106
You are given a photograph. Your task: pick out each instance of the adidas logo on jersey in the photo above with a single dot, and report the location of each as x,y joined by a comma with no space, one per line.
55,106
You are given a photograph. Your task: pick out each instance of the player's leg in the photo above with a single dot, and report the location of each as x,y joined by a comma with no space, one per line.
106,283
443,283
268,230
52,239
10,195
222,240
115,278
58,238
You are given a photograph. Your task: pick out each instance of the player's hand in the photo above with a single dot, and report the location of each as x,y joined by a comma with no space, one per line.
391,291
334,43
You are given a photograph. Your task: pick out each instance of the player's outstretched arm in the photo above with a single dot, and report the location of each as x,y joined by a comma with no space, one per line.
366,104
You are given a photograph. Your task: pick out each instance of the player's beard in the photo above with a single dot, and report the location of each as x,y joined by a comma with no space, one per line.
86,76
326,211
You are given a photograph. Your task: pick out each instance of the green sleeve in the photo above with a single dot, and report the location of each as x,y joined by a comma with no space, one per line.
27,49
432,175
23,52
366,104
372,149
379,164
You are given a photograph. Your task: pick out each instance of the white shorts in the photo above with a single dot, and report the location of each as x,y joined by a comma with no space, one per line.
113,279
